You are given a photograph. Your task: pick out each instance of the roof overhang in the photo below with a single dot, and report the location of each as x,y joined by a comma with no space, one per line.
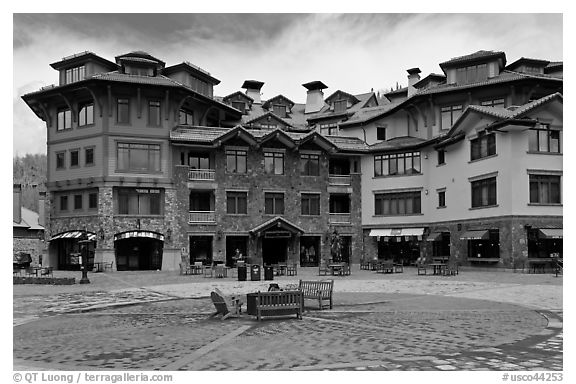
74,235
136,234
277,223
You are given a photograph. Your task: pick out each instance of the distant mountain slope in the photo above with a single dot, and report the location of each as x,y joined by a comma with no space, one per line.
30,171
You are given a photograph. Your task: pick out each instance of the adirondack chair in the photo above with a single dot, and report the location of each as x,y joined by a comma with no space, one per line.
225,306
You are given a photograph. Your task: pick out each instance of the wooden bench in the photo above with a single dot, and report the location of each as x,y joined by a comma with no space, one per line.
279,303
317,290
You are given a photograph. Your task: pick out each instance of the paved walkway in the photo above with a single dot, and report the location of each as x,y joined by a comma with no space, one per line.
473,321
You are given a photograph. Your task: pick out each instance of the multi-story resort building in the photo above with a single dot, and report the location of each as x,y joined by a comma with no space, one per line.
465,165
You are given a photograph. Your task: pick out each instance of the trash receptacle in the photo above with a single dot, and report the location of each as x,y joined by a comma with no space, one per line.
255,273
268,272
242,273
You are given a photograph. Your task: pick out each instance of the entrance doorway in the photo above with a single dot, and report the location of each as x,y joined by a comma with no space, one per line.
401,251
274,250
309,251
234,243
201,249
138,254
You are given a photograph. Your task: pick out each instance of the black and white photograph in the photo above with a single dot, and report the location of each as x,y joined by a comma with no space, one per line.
369,192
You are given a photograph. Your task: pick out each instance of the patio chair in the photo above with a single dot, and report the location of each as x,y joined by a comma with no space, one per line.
323,268
225,306
184,269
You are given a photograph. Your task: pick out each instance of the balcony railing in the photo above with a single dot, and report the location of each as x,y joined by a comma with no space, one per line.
339,179
339,218
201,217
201,174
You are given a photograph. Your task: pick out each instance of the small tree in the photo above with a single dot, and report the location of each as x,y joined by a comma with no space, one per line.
336,246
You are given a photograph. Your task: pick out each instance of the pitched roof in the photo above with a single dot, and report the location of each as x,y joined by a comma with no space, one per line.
474,57
29,220
228,97
268,115
365,114
401,142
345,94
81,56
527,60
267,103
140,54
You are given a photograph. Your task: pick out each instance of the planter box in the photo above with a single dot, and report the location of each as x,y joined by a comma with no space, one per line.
44,280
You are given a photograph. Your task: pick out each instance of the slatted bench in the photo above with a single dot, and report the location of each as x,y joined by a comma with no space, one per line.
317,290
279,303
385,267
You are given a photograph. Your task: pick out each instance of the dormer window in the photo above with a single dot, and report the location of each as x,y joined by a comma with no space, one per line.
239,105
279,110
75,74
472,74
340,106
201,86
139,71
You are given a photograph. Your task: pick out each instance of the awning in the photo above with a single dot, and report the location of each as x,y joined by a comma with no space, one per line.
434,236
277,224
392,232
73,235
475,235
130,234
551,233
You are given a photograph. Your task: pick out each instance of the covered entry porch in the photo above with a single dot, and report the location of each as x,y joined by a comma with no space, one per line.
277,241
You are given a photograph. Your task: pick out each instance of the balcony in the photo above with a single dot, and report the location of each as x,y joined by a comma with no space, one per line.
336,218
201,217
339,179
201,174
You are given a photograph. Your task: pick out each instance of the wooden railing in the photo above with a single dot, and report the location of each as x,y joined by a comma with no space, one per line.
201,174
201,217
339,179
339,217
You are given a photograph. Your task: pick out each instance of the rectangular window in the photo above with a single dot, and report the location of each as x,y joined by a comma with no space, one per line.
329,129
138,157
309,165
123,111
86,115
279,110
89,156
274,163
64,120
397,203
472,74
544,139
197,161
237,203
154,113
200,86
441,156
60,160
63,203
441,198
380,133
186,117
493,103
449,115
93,200
273,203
236,161
239,105
483,146
74,158
77,202
75,74
340,106
484,192
139,201
310,204
545,189
397,164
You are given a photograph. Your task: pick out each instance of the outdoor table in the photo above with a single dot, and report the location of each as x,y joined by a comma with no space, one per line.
438,268
336,268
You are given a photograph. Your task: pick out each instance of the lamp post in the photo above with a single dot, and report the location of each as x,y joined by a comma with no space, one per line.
84,255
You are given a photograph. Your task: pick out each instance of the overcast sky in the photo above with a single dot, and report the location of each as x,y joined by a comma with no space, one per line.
352,52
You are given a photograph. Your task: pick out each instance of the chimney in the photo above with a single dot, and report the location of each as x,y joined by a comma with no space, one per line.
253,88
17,204
314,96
413,78
42,208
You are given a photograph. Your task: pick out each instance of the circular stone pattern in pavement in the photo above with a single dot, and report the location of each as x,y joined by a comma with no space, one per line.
362,327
